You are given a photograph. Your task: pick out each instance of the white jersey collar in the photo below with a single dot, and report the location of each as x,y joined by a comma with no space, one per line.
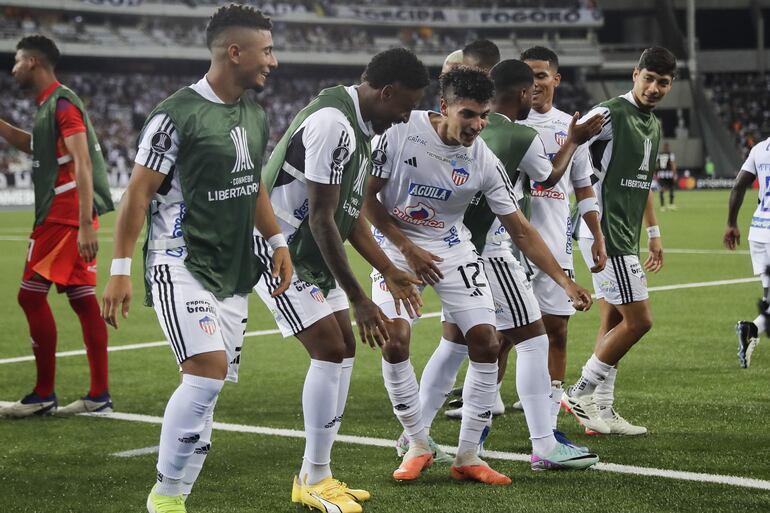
629,96
203,88
367,128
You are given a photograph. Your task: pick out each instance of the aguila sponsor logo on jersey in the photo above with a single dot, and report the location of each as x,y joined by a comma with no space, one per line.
429,191
539,191
420,215
560,137
208,325
242,157
316,293
460,175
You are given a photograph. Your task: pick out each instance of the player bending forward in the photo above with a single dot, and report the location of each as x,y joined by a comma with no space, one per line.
426,173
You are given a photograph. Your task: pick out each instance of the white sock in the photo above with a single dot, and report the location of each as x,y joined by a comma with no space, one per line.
760,323
344,388
604,395
557,390
183,422
439,376
195,464
404,393
533,384
594,372
479,392
319,409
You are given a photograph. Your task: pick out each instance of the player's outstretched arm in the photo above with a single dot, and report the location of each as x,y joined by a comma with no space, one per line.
420,261
578,134
323,200
401,284
534,248
266,223
732,236
143,184
16,137
588,206
77,147
654,260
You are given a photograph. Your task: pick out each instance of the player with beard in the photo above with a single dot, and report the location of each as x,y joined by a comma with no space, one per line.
316,178
198,168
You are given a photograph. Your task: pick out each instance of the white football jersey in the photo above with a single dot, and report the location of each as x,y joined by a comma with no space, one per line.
430,185
758,164
550,213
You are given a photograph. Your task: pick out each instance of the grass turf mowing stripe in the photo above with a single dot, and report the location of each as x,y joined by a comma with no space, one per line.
159,343
744,482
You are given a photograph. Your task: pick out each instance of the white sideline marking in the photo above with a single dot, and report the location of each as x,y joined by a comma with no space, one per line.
159,343
744,482
706,251
136,452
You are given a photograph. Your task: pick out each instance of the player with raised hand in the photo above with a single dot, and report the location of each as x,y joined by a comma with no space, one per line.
428,172
624,155
316,177
549,213
198,169
69,177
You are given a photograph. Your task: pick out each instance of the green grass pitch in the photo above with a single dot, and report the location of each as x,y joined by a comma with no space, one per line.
682,381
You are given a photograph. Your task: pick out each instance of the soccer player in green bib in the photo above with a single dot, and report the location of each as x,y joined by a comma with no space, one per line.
198,167
316,177
624,154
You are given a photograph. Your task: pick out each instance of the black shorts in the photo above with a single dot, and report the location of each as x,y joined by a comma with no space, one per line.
666,183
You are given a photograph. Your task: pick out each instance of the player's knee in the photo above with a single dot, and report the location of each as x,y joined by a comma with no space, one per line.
397,348
483,344
640,324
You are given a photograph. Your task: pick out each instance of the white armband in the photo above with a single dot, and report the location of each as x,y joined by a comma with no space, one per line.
120,267
653,232
277,241
588,205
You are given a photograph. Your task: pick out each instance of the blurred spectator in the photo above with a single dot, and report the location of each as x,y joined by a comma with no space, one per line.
743,103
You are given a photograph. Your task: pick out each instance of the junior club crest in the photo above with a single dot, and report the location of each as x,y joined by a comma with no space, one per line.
560,137
208,325
460,175
316,293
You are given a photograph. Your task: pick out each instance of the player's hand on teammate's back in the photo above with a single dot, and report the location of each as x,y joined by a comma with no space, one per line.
88,243
654,260
423,264
371,321
403,287
117,295
581,298
581,133
283,269
732,237
599,254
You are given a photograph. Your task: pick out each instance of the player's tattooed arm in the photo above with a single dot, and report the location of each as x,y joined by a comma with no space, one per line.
16,137
401,284
732,236
422,262
654,260
578,134
529,241
591,219
323,200
266,223
144,182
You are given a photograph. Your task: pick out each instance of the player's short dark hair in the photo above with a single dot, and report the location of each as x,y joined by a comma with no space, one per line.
466,82
510,76
658,60
235,15
541,53
396,65
41,44
484,51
